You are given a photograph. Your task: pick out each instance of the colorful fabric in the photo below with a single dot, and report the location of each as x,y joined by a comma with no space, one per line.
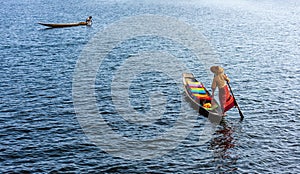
207,105
195,84
202,96
198,90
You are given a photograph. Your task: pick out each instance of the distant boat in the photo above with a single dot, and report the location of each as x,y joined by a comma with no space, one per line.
61,25
87,22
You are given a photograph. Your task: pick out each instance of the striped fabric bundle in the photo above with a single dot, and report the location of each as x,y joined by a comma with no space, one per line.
198,91
195,85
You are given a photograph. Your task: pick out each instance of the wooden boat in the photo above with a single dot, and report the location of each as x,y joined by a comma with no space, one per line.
61,25
200,97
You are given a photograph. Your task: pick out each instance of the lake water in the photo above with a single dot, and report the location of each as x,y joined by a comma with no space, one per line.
257,43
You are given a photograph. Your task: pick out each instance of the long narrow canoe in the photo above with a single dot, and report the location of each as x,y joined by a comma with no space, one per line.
199,96
61,25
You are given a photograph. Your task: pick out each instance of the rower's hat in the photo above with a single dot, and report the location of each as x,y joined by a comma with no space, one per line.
216,69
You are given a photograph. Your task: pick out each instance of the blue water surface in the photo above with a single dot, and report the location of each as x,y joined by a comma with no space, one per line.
257,43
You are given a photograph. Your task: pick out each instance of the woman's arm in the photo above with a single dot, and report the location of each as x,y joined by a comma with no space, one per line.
214,86
226,78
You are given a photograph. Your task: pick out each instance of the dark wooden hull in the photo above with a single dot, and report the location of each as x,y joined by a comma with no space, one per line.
63,25
197,103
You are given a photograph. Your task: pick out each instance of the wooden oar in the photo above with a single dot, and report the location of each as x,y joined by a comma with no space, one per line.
241,114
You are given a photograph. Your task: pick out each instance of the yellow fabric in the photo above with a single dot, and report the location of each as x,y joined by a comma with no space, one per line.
194,83
201,95
198,89
207,105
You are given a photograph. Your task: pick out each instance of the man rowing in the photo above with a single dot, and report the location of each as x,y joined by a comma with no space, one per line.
89,20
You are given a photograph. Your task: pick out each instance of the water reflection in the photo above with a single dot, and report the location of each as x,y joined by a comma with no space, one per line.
223,144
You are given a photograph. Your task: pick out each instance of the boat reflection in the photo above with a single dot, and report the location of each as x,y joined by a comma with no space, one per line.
223,145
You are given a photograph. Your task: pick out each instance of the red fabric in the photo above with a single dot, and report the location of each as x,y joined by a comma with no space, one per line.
226,100
204,97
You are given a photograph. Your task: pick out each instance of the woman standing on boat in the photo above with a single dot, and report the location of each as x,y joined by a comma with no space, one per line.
220,81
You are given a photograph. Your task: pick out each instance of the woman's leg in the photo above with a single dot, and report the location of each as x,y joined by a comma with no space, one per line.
222,98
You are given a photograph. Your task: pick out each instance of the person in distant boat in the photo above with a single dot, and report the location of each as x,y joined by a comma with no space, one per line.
89,20
219,81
